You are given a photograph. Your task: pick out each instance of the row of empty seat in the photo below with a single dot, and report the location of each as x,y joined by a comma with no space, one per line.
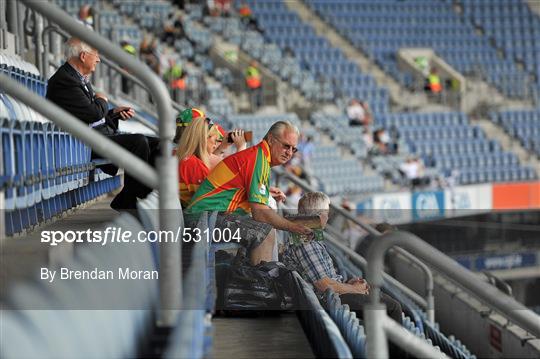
285,28
524,125
512,26
44,170
435,26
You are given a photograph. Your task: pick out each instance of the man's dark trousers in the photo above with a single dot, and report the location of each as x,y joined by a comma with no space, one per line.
147,149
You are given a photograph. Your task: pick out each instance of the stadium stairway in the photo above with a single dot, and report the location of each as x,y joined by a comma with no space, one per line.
277,337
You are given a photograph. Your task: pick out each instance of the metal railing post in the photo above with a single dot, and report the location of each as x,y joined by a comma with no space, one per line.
429,303
428,278
99,143
170,278
513,310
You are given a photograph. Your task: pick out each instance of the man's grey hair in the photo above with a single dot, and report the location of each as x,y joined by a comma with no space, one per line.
74,47
312,203
277,129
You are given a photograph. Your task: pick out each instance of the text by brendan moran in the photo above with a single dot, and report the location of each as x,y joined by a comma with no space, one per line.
127,273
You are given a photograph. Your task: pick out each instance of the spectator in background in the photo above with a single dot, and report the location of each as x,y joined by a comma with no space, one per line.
433,82
381,141
174,76
413,170
149,54
172,29
254,85
127,85
223,7
217,7
86,16
246,17
236,137
358,113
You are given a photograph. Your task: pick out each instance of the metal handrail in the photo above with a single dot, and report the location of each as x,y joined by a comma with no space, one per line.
170,278
430,309
99,143
498,283
362,263
429,303
376,329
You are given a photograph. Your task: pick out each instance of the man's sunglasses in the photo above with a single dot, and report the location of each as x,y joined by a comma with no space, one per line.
286,146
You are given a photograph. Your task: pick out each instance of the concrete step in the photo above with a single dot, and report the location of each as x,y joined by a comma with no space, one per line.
534,5
267,337
21,257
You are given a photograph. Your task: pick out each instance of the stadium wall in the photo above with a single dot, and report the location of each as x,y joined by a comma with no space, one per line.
407,207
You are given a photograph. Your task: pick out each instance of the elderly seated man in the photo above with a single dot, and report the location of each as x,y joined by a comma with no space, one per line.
312,261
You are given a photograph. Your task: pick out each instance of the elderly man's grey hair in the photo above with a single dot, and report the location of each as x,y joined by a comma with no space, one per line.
312,203
74,47
277,129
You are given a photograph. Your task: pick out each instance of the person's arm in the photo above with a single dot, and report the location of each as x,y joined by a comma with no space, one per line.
263,213
338,287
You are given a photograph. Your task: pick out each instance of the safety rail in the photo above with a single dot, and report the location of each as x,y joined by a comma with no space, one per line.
415,319
428,303
378,326
167,181
44,72
384,327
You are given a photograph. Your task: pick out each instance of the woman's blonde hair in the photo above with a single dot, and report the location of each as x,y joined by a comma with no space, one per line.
193,141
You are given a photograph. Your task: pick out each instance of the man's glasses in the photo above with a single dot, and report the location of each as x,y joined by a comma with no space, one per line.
95,54
286,146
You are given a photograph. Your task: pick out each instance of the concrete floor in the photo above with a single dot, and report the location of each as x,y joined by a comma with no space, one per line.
22,256
262,337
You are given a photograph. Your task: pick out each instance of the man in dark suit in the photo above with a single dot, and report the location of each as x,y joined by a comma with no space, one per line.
70,89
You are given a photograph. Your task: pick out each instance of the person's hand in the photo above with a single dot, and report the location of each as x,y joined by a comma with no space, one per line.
101,95
360,284
222,148
300,229
277,194
125,112
237,136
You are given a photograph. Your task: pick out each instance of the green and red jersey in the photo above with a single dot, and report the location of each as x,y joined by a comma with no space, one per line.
236,181
191,173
